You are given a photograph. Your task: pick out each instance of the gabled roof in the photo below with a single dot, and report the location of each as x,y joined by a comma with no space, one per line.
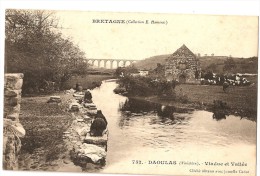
183,51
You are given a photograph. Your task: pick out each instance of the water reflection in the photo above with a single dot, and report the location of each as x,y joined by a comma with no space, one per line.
136,125
137,107
157,114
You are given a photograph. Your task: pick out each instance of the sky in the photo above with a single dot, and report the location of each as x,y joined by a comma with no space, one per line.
205,34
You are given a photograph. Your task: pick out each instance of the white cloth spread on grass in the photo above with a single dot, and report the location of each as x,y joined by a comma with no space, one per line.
83,131
94,152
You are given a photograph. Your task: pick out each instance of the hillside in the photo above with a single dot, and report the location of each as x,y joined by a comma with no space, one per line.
215,63
151,62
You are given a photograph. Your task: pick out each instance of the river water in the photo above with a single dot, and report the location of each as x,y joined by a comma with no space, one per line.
186,139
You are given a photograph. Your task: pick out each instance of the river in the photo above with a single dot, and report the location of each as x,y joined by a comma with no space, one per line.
189,138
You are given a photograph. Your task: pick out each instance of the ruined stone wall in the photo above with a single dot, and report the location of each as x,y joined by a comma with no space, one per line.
13,130
177,66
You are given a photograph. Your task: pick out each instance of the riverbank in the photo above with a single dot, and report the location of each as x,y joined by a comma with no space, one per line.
240,101
90,81
55,137
43,147
87,82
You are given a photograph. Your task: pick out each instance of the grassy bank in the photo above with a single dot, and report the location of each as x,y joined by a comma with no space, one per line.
240,100
43,147
87,82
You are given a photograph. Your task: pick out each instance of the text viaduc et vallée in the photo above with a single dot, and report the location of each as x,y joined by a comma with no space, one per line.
239,169
110,21
235,167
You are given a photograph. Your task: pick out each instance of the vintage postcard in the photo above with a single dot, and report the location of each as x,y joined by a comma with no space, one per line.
130,93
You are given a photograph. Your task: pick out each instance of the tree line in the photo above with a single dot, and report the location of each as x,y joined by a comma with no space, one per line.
34,46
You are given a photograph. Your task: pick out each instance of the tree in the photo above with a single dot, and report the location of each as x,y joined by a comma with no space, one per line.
229,65
126,70
212,67
197,74
119,71
35,47
159,70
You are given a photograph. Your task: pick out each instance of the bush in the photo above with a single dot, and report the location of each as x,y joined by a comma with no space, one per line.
183,98
137,85
147,86
119,90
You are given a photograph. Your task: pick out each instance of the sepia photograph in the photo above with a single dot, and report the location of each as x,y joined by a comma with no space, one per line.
130,93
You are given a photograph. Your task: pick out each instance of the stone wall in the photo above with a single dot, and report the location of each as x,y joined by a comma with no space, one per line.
13,130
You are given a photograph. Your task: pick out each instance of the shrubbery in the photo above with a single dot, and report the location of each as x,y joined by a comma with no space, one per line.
119,90
146,86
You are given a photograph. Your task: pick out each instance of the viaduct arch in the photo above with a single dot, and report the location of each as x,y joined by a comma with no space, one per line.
108,63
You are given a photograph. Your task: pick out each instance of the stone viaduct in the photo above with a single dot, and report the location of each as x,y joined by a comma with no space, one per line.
110,63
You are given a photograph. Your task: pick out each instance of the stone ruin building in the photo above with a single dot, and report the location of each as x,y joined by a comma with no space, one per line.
182,66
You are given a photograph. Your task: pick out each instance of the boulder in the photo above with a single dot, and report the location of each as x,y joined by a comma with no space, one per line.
12,101
80,120
12,93
13,116
78,95
14,127
54,99
97,140
14,81
74,107
128,113
137,114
